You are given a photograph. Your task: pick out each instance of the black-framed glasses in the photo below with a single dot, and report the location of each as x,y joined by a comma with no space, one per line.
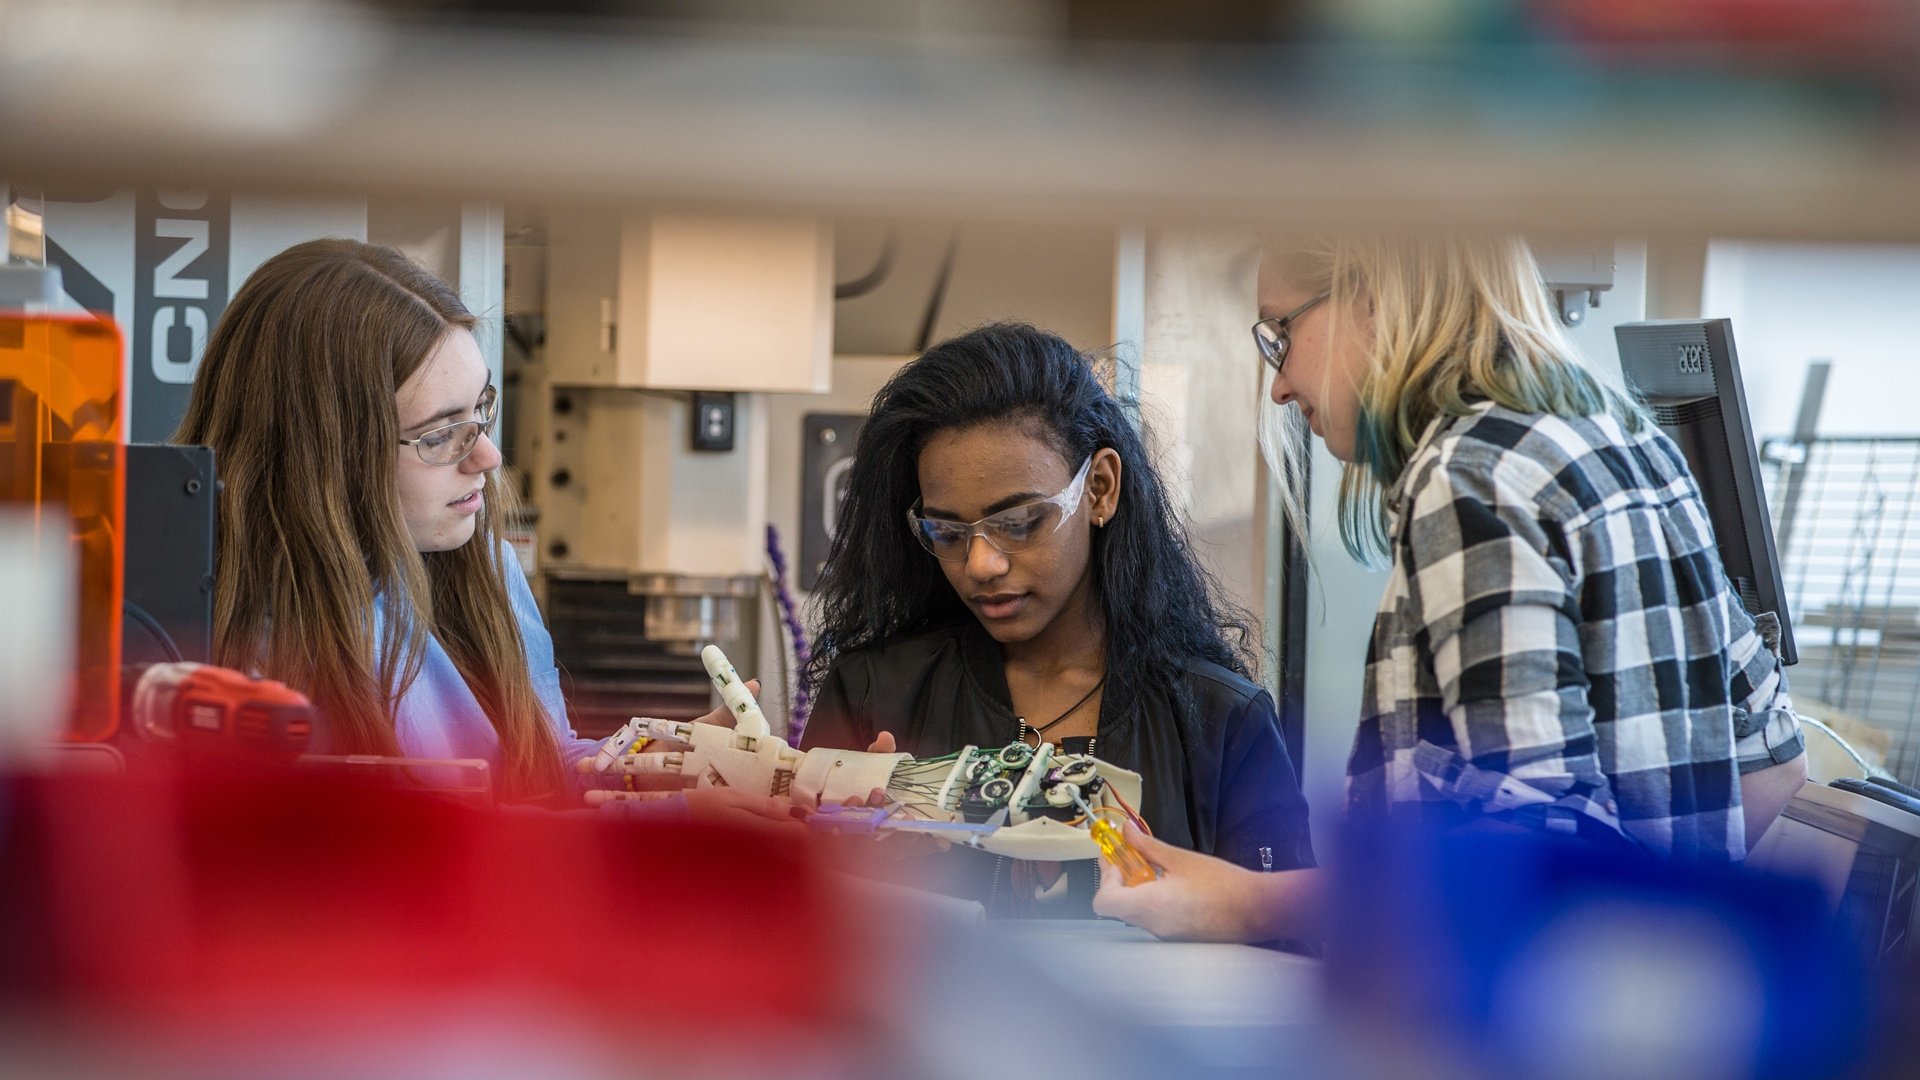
1013,530
451,444
1275,336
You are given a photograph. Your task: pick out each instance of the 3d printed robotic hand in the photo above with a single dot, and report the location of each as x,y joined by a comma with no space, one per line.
1013,800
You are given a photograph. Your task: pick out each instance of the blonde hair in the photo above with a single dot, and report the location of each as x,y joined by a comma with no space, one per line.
296,396
1447,321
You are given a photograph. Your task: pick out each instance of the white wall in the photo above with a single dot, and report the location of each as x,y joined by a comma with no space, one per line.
1341,598
1858,305
1200,386
266,225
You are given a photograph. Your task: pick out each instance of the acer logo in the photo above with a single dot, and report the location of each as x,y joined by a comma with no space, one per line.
1693,359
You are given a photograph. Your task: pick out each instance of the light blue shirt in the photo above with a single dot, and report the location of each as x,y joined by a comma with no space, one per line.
439,717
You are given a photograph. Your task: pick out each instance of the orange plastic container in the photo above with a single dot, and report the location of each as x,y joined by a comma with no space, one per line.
63,455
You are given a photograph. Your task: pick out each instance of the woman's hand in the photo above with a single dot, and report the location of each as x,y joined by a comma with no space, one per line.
905,844
898,844
738,809
1201,898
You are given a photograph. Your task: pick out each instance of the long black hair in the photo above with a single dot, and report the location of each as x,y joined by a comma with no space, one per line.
1161,606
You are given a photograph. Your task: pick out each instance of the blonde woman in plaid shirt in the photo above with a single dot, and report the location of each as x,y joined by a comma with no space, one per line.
1558,647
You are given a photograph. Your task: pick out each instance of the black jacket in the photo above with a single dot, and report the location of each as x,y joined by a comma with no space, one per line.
1220,784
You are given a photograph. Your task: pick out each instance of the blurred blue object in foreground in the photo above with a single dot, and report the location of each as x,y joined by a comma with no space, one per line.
1527,955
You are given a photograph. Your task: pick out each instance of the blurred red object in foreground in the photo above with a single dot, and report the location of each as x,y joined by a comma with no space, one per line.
220,903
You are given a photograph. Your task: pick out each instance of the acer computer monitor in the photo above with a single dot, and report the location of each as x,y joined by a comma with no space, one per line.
1688,375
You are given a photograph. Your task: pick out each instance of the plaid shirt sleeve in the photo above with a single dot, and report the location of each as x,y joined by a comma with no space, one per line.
1766,730
1491,593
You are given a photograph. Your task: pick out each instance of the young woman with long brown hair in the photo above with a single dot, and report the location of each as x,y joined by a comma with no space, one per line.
360,555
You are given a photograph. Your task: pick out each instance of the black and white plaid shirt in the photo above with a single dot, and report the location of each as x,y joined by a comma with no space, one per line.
1559,645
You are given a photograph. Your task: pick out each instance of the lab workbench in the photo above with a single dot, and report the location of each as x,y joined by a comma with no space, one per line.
1128,1004
1183,984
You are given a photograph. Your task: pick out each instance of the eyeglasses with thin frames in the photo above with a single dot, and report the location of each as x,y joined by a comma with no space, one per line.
1013,530
1275,336
451,444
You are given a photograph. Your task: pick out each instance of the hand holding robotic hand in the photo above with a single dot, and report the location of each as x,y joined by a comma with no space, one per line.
1020,801
631,740
742,809
705,805
880,808
648,777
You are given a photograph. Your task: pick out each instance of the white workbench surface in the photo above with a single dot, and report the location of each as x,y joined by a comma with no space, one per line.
1122,1003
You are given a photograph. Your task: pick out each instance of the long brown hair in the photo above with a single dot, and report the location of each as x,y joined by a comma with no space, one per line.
296,396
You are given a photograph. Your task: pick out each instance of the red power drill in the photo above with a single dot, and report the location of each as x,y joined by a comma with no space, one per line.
218,712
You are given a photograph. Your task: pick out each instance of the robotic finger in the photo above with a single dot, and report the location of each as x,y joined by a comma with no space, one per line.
640,731
747,717
619,743
673,761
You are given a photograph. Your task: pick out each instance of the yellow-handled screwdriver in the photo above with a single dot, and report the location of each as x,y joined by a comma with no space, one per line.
1134,868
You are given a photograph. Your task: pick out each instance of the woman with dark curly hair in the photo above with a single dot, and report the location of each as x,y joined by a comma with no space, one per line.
1008,567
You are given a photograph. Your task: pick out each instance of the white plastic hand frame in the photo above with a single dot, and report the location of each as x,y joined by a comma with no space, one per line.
1007,800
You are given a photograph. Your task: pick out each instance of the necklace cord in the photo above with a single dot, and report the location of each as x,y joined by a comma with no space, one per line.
1071,709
